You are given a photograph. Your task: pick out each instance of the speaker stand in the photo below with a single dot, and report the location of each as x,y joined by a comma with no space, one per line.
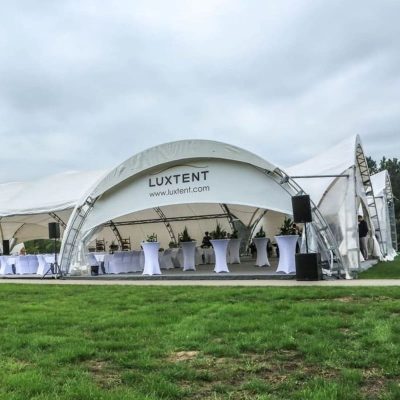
54,268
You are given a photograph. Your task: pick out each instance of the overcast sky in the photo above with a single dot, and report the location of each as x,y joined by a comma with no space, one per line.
86,84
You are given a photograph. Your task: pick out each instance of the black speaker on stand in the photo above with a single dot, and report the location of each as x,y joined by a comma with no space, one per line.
54,233
308,265
6,247
54,230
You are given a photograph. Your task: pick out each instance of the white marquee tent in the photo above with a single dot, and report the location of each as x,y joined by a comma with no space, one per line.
339,183
195,183
26,208
190,182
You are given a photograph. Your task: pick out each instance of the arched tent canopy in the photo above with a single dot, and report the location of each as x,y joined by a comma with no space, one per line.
385,206
338,181
26,208
190,182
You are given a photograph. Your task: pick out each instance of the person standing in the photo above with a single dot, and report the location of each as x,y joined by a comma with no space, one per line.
206,241
362,234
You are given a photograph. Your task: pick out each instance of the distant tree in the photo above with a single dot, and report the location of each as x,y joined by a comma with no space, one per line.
41,246
372,166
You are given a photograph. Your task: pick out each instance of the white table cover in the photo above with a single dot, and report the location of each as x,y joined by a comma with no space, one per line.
165,259
116,264
207,255
44,266
220,249
189,251
26,264
177,257
234,251
287,251
151,263
50,258
262,256
6,265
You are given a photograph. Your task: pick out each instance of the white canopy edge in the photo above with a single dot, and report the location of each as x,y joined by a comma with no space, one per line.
381,184
334,161
168,153
50,194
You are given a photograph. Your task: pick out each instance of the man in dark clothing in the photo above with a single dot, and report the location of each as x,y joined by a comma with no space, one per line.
362,234
206,241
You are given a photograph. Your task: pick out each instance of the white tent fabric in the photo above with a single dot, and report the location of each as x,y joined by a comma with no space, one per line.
50,194
192,183
186,182
338,197
26,207
384,202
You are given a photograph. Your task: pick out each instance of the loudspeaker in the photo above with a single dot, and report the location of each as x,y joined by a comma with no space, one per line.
308,267
6,247
54,230
301,208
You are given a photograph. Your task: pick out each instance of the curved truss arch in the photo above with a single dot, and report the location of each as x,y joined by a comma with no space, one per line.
73,233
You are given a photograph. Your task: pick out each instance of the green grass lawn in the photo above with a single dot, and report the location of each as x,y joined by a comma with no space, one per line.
383,270
127,342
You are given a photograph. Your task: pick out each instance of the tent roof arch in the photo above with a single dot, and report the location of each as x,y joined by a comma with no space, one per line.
167,154
266,185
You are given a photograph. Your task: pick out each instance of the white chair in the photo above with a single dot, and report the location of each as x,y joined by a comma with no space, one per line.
5,266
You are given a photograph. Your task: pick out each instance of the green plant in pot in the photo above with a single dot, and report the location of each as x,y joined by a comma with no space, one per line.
218,233
184,236
113,246
172,245
260,233
234,234
151,238
287,228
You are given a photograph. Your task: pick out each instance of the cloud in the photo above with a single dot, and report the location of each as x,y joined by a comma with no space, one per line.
85,85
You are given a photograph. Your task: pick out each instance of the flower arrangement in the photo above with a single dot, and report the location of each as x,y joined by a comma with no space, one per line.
260,233
218,233
287,228
113,246
184,236
234,234
151,238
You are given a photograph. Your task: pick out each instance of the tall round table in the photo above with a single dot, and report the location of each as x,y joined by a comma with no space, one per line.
262,256
234,251
189,251
151,263
220,249
287,252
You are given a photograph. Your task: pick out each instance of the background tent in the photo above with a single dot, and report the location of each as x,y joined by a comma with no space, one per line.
338,182
26,208
385,206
